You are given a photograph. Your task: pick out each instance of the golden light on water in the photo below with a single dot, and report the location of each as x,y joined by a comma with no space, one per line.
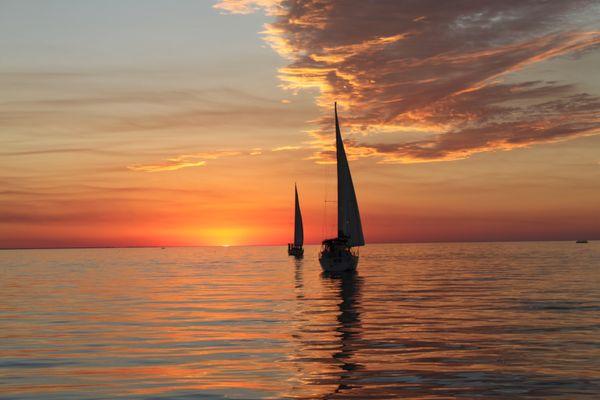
250,322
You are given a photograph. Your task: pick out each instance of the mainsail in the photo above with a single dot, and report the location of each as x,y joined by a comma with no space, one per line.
298,230
349,225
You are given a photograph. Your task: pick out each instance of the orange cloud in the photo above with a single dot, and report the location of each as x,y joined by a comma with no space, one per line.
434,67
286,148
186,161
247,6
169,165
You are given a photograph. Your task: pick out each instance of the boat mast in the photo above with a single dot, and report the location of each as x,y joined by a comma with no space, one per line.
349,224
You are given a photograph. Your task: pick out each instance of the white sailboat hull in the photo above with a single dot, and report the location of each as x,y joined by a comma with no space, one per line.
338,261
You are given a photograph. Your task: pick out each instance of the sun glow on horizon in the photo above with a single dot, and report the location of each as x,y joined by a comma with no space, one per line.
222,236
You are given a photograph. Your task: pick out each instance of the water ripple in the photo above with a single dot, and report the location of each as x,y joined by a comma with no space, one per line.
439,321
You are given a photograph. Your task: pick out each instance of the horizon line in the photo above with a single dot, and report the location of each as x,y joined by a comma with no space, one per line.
277,245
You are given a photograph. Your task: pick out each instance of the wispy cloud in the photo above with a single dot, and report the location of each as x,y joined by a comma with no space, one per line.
35,152
68,115
189,160
248,6
286,148
439,68
169,165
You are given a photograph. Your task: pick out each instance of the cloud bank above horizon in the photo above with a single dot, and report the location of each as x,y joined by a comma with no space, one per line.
434,81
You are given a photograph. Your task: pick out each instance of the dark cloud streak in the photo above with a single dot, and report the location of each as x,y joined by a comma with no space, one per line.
436,67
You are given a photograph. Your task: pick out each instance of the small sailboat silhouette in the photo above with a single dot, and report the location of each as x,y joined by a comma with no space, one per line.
341,253
295,249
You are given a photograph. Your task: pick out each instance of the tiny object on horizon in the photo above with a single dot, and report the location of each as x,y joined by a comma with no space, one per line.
581,241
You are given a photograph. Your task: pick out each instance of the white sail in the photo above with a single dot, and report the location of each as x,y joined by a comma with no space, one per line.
349,225
298,229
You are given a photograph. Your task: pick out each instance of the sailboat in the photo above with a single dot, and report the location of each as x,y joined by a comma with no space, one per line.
341,253
295,249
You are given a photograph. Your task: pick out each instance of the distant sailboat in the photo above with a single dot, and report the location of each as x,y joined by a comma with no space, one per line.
341,253
295,249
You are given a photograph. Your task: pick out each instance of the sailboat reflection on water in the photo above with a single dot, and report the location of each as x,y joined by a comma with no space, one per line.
349,329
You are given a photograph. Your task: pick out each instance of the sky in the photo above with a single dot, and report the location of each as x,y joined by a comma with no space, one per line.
180,122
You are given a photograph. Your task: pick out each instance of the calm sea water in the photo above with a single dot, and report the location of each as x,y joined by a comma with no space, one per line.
422,321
